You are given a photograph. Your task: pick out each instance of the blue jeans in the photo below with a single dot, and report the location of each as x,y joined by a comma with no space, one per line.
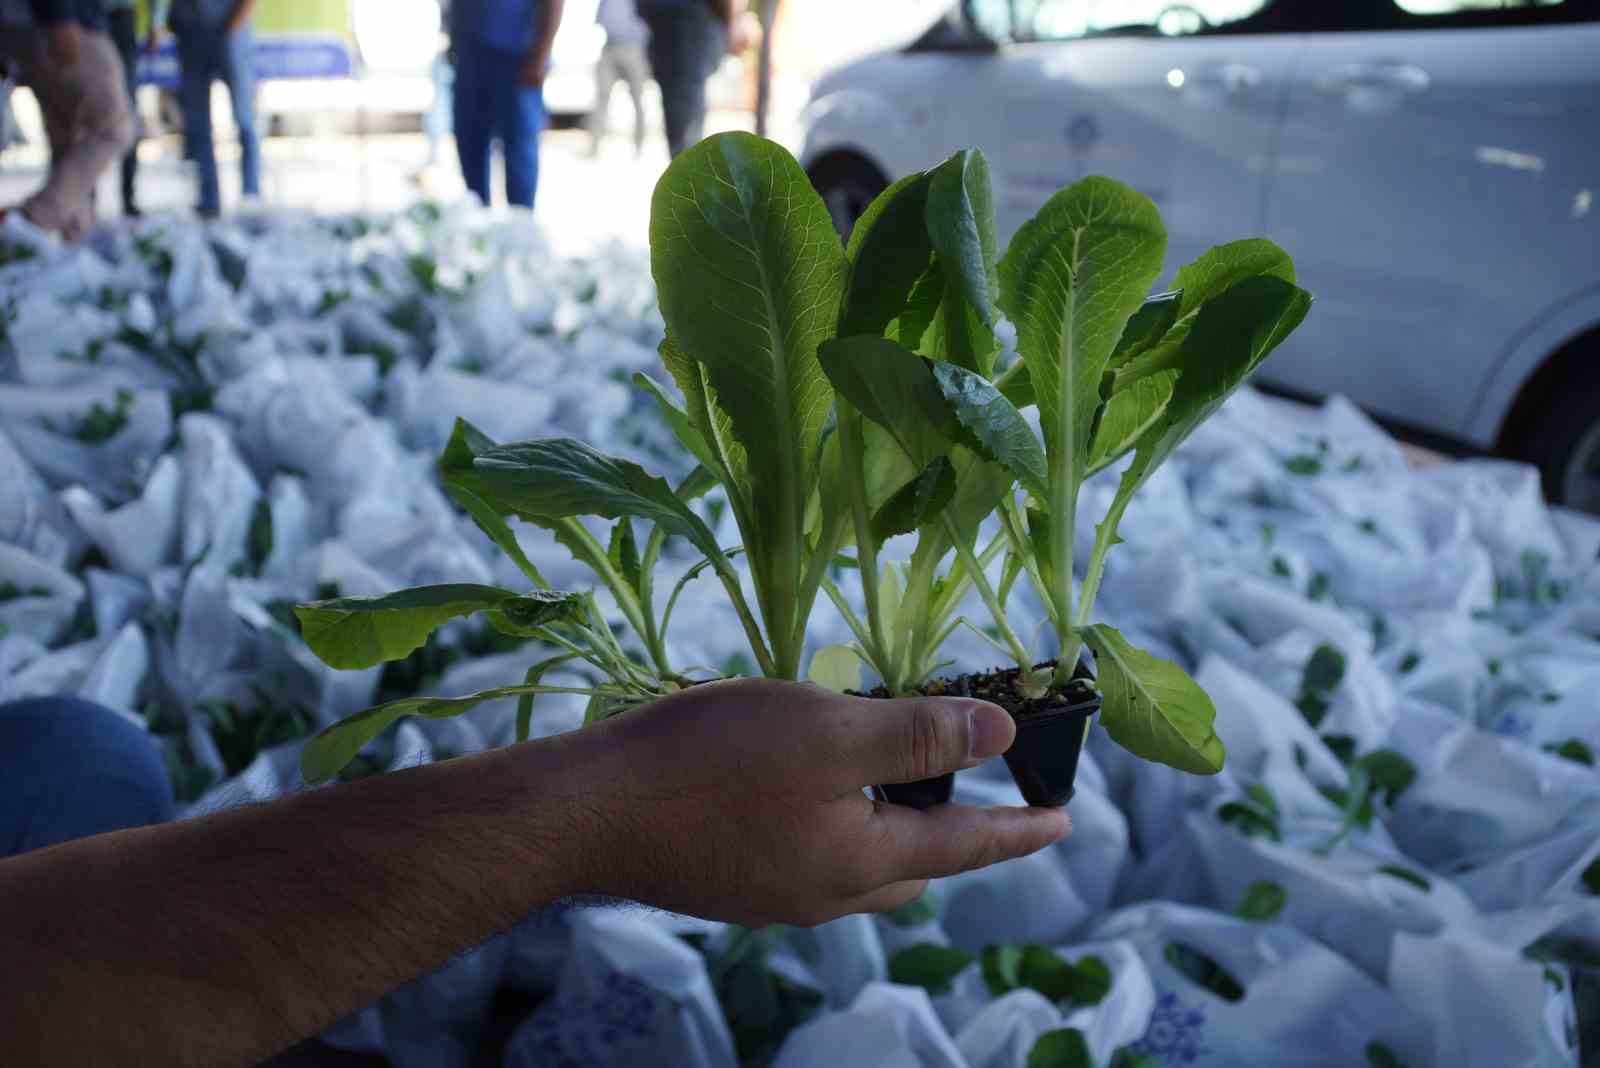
205,54
70,769
492,104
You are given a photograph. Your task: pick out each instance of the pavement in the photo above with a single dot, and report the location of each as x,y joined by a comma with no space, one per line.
583,200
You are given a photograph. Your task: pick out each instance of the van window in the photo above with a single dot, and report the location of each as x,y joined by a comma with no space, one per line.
1061,20
1458,7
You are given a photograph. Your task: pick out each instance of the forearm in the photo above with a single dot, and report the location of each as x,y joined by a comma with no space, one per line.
549,24
222,939
724,9
242,10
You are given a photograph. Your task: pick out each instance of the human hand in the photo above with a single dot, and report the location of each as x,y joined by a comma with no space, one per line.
744,33
64,41
534,66
743,801
152,40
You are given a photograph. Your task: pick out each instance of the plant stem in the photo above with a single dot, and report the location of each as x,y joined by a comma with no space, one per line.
852,620
853,443
821,558
996,610
752,631
594,554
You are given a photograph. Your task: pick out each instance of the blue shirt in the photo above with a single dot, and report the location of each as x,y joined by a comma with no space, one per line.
504,25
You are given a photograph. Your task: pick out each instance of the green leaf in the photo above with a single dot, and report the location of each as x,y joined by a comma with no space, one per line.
1381,1056
929,966
334,747
1063,1048
960,220
1070,280
524,616
750,275
1152,708
924,909
1262,902
1002,968
1084,982
1204,971
679,422
455,473
709,422
534,676
1148,326
889,253
836,668
1128,416
1228,340
1406,875
893,388
1325,670
360,632
623,552
917,502
1197,284
994,424
558,478
1016,386
1389,772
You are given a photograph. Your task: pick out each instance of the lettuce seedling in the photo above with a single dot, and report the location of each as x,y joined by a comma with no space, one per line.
921,269
1112,373
361,632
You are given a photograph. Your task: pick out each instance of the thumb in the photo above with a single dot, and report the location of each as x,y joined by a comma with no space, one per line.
918,738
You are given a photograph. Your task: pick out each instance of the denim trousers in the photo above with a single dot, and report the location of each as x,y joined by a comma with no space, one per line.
491,104
206,53
70,769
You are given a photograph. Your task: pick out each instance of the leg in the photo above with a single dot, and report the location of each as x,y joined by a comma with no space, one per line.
636,71
197,66
474,104
520,128
239,71
74,769
92,128
125,35
704,47
606,72
679,47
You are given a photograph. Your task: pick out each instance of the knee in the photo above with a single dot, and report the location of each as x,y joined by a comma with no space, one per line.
77,743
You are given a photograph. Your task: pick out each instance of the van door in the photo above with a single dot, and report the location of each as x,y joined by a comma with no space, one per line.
1433,184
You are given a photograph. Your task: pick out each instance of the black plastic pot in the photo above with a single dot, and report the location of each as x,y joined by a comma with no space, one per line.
924,793
1044,758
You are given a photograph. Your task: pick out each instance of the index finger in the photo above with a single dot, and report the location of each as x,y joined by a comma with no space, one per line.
950,839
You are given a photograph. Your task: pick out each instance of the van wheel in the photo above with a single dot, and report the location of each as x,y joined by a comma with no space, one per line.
847,185
1563,439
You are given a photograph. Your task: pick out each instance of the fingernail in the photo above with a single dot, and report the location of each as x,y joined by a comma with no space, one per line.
990,730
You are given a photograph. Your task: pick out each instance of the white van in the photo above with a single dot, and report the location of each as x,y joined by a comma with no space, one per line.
1432,166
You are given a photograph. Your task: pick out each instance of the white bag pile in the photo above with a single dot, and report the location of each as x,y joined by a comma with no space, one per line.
201,426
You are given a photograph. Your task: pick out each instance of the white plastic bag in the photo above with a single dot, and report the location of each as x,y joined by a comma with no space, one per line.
630,994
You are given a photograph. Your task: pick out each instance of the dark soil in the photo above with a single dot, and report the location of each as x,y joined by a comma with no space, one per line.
1000,687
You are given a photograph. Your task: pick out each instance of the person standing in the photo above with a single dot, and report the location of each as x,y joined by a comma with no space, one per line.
622,59
63,53
216,41
687,40
122,23
502,52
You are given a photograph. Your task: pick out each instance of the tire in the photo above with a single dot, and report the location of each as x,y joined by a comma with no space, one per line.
1563,440
847,184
